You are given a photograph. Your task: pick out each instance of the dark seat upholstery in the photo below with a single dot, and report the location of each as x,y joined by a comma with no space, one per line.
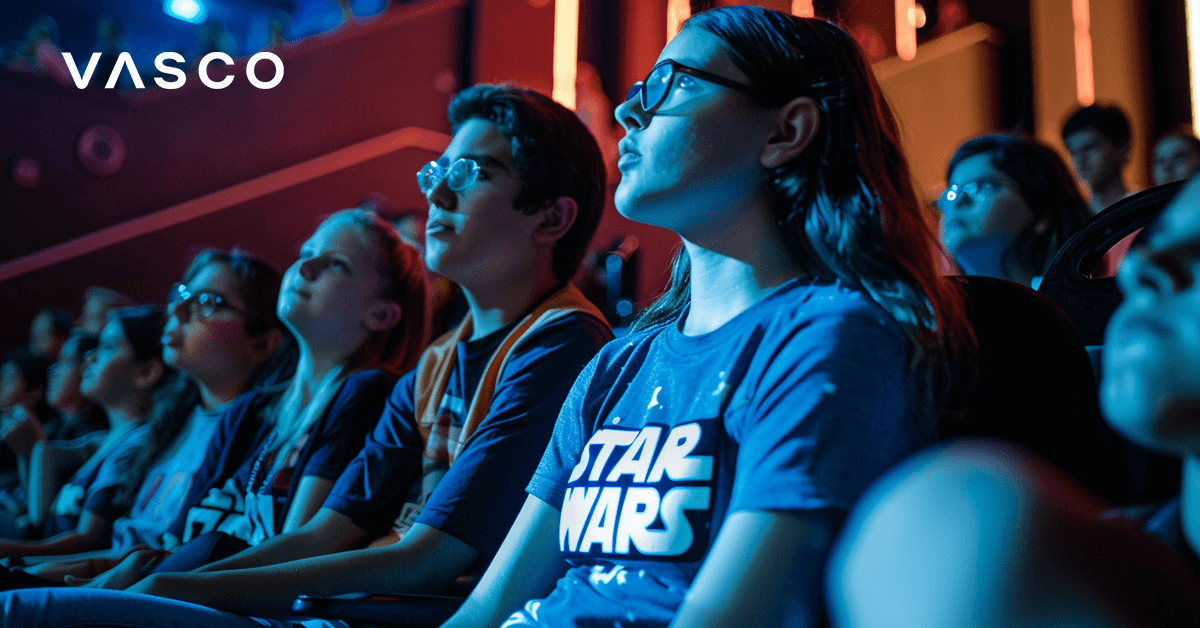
1035,385
1089,301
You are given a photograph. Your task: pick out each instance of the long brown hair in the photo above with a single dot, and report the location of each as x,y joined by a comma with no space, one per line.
846,206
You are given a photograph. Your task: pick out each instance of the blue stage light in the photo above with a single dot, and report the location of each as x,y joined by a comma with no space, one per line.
187,10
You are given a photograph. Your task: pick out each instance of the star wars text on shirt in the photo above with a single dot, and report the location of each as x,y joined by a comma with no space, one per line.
641,493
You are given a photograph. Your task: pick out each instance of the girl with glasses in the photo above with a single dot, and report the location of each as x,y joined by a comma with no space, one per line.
219,356
702,466
1010,204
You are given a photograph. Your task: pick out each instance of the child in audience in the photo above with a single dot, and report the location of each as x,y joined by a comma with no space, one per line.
1176,156
701,466
1009,205
982,534
221,331
74,417
1099,140
121,374
513,202
48,331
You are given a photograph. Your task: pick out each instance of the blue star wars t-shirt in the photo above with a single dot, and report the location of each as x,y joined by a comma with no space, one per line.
797,403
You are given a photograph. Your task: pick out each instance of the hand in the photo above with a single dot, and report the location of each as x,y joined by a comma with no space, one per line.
126,573
23,432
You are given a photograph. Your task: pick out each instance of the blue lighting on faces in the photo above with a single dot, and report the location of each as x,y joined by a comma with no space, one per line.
187,10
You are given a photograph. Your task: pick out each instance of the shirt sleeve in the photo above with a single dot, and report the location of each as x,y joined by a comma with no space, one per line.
374,485
562,454
234,438
481,494
104,486
341,433
824,413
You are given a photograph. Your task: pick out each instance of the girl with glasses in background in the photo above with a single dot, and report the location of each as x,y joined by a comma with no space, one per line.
1010,204
702,465
222,335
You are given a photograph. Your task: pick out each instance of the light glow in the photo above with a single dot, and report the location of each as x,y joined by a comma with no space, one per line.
1192,9
1085,84
677,12
803,8
566,51
906,29
187,10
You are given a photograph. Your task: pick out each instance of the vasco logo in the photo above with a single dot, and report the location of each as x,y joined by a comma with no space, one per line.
125,63
638,507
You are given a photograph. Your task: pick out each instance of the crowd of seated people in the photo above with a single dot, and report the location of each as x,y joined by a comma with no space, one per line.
760,449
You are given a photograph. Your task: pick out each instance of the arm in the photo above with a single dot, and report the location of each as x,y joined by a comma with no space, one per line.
425,560
526,567
48,463
327,532
761,563
309,496
93,532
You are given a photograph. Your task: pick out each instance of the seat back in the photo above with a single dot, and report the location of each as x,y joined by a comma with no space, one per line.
1089,301
1035,387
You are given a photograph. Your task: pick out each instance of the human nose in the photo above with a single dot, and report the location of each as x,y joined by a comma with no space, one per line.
310,268
441,196
629,114
180,311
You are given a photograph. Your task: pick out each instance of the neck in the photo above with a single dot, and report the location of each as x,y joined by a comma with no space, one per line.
496,304
217,394
314,366
1106,194
734,269
124,415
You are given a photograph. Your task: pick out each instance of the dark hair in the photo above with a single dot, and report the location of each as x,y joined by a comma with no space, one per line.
555,155
61,321
396,349
846,206
1108,121
258,285
1048,189
143,327
31,366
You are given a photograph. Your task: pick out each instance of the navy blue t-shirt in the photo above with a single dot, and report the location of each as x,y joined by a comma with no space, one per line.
797,403
479,496
334,440
94,486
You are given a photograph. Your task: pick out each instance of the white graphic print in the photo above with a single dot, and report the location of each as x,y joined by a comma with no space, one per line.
637,504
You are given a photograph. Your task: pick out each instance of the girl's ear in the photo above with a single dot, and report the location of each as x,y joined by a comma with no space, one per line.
383,316
557,219
795,127
147,374
265,346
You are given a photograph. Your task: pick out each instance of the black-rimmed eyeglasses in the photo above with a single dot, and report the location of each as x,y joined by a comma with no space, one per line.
654,89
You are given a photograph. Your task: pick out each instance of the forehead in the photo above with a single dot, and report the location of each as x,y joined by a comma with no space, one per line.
112,332
695,47
215,277
974,168
345,237
1086,138
480,140
1179,224
1172,146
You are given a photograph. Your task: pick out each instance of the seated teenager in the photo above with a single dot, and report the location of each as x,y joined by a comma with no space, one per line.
514,200
1010,204
702,466
122,375
221,333
985,535
355,303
